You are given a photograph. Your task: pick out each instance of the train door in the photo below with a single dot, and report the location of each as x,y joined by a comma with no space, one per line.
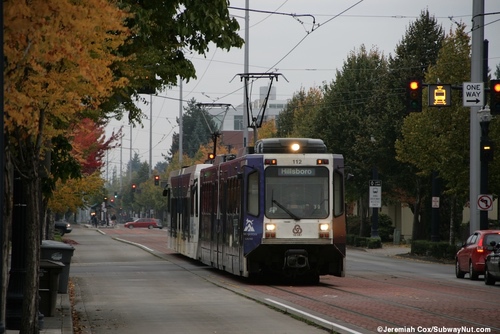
207,221
241,225
222,223
182,216
234,232
214,225
175,214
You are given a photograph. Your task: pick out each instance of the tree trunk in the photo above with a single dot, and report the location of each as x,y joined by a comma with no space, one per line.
416,212
361,214
452,219
29,323
7,219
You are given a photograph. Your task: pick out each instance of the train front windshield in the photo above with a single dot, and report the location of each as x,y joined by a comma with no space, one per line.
297,192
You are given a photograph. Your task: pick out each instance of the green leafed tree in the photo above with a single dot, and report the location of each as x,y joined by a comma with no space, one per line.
162,34
417,50
348,118
297,119
438,138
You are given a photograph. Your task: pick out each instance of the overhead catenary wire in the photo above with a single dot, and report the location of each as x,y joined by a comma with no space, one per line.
212,59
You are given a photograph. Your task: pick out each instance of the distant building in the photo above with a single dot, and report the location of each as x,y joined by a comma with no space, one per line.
232,121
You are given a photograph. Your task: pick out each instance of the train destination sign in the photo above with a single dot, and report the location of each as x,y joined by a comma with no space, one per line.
473,94
294,171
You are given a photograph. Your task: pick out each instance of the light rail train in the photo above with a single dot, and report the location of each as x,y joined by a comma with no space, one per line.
278,210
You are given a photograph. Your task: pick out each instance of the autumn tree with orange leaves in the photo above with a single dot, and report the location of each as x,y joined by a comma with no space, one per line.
89,145
66,61
57,72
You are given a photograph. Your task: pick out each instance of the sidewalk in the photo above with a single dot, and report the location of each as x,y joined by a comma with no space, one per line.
61,322
389,250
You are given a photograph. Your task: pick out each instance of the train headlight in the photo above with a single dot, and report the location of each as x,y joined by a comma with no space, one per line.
270,227
270,231
295,147
324,230
324,227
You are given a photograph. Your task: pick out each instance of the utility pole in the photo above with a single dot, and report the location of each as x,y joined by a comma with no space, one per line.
130,167
484,120
150,134
180,122
245,70
476,76
121,162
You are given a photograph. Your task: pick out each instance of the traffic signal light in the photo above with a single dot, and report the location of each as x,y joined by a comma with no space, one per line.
116,194
495,97
414,95
211,156
133,187
486,150
105,199
157,180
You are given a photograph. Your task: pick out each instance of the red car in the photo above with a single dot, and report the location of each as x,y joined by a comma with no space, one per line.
144,222
472,256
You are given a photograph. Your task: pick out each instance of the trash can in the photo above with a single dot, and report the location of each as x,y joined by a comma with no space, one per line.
397,237
58,251
48,286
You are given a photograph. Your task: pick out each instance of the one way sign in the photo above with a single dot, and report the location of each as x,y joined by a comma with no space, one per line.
473,94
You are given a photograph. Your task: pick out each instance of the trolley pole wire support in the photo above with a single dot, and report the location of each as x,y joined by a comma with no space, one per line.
255,122
216,131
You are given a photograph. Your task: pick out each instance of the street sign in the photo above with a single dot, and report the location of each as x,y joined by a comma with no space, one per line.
439,95
473,94
485,202
435,202
375,194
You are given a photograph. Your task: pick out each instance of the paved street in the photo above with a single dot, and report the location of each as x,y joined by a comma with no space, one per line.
121,288
379,290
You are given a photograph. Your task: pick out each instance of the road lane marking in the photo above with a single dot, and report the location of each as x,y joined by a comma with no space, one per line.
135,244
314,317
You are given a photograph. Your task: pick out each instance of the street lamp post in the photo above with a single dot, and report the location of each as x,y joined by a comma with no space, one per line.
485,156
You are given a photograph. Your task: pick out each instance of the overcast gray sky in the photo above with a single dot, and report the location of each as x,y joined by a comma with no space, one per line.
306,56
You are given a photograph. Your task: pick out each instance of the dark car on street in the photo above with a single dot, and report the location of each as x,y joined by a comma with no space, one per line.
492,265
62,227
472,255
144,222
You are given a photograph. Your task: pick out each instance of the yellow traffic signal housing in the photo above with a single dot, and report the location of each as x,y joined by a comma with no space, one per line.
414,95
495,97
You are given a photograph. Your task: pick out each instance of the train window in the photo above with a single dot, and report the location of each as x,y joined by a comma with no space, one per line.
298,192
253,194
338,193
194,198
166,192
